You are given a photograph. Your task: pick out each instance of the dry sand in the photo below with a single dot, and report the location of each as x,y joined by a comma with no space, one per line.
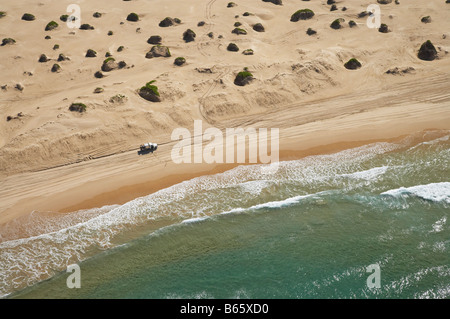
52,159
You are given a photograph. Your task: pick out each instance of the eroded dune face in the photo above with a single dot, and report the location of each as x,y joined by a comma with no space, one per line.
289,65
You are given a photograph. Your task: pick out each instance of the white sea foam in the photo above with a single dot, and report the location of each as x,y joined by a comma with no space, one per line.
369,174
194,220
439,225
437,192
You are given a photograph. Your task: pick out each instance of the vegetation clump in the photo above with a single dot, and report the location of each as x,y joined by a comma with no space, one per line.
28,17
232,47
154,39
243,78
189,35
427,51
118,98
352,64
91,53
167,22
56,68
133,17
51,26
43,58
180,61
383,28
258,27
158,51
8,41
303,14
426,19
86,26
248,52
150,92
277,2
62,57
231,5
77,107
336,24
310,31
239,31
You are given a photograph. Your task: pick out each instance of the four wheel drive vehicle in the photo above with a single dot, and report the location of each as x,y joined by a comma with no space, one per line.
148,147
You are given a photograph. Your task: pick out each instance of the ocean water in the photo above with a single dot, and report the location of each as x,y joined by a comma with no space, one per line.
310,230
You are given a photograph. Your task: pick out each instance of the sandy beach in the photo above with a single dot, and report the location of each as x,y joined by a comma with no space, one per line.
55,160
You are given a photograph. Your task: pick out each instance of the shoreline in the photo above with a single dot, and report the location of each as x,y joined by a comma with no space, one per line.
121,188
126,193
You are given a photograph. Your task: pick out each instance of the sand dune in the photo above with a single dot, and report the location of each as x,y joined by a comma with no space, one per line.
53,159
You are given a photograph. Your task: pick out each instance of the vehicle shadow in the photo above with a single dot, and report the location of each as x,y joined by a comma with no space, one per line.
144,152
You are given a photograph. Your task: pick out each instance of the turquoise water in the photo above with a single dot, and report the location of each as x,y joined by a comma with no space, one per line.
309,230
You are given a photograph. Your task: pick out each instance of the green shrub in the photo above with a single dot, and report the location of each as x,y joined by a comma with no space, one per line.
244,74
86,26
239,31
352,64
336,24
303,14
64,17
427,51
77,107
28,17
91,53
243,78
51,25
426,19
180,61
133,17
232,47
56,68
150,87
6,41
2,14
150,92
109,59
